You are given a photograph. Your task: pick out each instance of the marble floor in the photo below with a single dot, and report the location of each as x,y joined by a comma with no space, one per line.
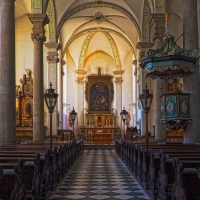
99,174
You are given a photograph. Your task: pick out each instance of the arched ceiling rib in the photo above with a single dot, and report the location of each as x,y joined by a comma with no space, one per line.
74,37
68,14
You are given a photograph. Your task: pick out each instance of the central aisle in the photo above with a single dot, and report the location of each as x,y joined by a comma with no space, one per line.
99,174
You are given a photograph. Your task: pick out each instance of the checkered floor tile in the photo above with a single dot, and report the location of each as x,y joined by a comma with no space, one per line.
99,174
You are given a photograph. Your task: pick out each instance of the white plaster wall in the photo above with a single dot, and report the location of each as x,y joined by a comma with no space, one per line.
71,86
23,47
127,86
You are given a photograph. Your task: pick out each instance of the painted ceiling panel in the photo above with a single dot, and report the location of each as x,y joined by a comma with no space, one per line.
99,42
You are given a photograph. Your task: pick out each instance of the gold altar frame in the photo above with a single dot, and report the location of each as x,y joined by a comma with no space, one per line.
104,99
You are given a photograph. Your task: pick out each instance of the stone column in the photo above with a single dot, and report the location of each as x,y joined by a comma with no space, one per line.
81,97
38,37
52,60
7,72
191,81
118,81
60,92
141,81
157,22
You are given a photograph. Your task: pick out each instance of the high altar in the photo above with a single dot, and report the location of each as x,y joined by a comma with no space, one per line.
100,124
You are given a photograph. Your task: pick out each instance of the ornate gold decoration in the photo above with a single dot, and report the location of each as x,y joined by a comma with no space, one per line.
37,4
74,37
114,49
159,4
51,26
70,13
50,7
83,50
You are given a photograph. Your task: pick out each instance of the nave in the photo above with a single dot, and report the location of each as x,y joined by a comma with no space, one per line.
99,174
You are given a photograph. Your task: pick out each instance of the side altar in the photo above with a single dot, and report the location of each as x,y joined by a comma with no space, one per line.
99,124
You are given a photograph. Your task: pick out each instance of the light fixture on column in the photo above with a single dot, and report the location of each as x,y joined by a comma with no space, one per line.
123,115
73,115
146,99
50,99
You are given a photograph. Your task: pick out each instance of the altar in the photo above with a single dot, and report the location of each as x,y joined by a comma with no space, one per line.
99,121
94,135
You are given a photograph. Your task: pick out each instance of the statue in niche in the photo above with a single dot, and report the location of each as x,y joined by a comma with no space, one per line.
28,110
99,122
99,71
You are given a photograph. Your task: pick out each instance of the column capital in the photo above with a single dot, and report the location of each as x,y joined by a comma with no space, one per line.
118,72
118,80
144,45
80,72
52,57
52,49
53,46
38,21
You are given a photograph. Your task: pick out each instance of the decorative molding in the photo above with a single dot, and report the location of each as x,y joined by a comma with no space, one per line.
80,80
114,49
36,37
63,62
37,4
38,21
118,72
51,26
118,80
145,26
80,72
52,57
151,5
50,7
83,50
51,15
159,3
70,13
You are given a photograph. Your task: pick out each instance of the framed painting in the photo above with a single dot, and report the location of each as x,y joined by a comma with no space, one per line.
99,93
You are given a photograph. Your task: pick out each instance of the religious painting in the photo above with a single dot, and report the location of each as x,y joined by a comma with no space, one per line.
99,93
99,97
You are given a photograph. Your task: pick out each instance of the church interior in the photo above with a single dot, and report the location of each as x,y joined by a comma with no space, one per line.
99,99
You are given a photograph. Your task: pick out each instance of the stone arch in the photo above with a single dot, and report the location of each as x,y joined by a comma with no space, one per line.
112,44
74,37
71,12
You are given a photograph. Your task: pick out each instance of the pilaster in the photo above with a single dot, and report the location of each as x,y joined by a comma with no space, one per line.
157,23
81,97
118,97
52,60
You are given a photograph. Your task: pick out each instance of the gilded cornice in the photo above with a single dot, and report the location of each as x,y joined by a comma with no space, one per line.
118,72
70,13
74,37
